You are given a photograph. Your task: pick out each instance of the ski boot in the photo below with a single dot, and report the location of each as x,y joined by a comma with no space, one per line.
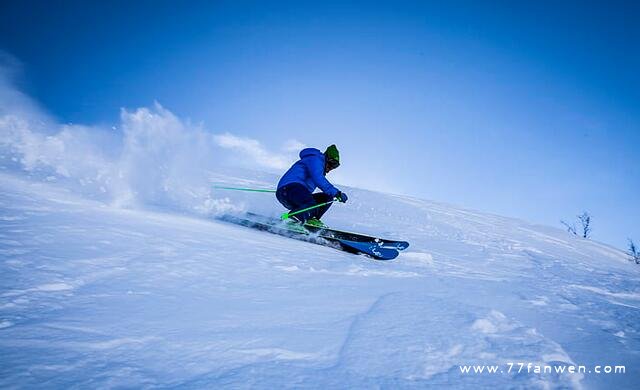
295,225
315,222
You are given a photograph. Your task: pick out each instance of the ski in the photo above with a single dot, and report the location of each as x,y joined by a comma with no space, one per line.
348,236
357,237
323,236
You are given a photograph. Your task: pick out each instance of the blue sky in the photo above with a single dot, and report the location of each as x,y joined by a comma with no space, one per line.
526,110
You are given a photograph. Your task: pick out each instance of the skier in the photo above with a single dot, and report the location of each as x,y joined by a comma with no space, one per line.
295,188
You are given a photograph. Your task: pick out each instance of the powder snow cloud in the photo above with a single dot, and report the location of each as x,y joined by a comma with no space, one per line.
149,157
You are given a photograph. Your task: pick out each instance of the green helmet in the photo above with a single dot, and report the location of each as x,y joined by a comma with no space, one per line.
332,156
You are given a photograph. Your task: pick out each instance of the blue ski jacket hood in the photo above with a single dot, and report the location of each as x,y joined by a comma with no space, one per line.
309,171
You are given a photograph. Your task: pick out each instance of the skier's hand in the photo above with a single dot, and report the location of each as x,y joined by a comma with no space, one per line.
341,197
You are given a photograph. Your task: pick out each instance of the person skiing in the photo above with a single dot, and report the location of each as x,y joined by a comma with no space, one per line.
295,188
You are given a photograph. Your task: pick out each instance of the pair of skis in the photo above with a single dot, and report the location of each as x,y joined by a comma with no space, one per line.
375,247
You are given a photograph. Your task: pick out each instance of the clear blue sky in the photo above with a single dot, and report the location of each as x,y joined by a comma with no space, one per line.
526,110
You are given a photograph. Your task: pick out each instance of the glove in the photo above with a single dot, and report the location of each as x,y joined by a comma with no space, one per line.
341,197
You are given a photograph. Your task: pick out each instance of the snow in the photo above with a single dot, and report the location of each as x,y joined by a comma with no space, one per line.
99,296
116,272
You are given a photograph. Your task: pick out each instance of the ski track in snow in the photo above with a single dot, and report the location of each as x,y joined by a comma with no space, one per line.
95,296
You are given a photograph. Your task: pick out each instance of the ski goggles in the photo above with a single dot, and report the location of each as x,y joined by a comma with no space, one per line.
333,164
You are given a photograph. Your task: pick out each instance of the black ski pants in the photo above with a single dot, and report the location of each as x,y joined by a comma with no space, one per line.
295,196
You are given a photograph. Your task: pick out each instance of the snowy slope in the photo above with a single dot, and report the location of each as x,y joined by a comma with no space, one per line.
116,272
94,295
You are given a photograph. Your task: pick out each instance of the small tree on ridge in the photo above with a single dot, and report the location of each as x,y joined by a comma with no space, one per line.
634,254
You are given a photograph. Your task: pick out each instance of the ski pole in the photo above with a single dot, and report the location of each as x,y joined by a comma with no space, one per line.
242,189
287,215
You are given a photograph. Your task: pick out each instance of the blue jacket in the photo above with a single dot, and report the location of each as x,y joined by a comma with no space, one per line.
309,171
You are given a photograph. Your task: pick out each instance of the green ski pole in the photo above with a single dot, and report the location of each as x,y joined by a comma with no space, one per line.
242,189
287,215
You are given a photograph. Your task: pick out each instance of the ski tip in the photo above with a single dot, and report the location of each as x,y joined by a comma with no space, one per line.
402,245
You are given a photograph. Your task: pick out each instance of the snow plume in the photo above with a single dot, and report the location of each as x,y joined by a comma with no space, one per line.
71,153
151,158
164,161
